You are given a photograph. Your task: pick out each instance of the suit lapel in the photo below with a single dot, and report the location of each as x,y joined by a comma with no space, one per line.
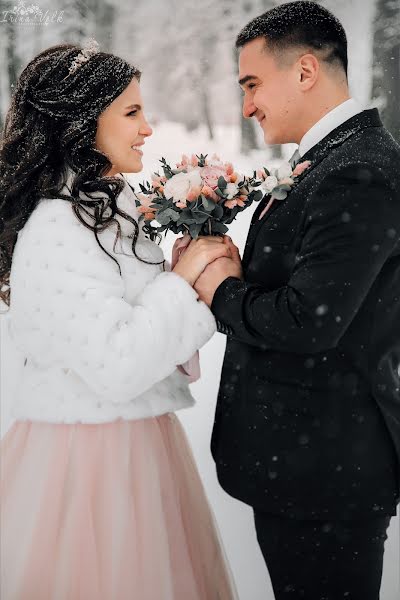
368,118
257,224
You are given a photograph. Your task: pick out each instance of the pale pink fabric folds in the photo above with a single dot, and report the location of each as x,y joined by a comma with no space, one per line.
107,512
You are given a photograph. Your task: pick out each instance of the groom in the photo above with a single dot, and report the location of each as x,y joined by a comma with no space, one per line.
307,425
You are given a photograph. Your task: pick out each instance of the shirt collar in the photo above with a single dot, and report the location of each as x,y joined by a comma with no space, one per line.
328,123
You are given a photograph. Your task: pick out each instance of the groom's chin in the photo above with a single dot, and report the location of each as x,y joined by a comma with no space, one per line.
271,139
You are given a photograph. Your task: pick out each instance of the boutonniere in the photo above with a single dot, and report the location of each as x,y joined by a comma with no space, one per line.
277,183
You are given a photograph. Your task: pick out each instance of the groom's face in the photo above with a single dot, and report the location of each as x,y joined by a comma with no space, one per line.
271,93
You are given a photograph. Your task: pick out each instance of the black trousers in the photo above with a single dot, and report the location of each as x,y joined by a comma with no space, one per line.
323,560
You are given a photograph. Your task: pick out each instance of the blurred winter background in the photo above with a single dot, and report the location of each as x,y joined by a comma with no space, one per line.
185,49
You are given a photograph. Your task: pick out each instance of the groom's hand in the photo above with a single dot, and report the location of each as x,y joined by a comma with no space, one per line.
217,271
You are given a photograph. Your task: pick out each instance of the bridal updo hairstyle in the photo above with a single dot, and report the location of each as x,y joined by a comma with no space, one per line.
300,25
51,128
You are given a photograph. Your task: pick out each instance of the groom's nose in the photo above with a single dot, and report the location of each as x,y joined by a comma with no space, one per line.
249,108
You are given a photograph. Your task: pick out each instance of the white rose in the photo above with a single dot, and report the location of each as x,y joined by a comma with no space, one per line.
231,190
285,170
269,183
177,188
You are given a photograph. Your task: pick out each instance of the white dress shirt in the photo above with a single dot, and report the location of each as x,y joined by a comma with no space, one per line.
328,123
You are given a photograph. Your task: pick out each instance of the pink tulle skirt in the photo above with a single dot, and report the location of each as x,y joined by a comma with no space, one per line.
115,511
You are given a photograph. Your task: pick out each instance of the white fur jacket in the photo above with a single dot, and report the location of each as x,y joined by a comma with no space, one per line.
99,346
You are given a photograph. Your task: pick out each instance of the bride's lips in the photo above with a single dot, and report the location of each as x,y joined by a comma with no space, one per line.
136,148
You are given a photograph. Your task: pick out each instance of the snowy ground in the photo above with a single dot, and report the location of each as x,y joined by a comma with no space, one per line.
234,518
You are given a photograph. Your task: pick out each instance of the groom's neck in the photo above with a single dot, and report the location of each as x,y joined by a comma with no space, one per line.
321,102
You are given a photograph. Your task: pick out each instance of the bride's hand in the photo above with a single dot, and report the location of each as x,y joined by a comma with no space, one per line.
198,255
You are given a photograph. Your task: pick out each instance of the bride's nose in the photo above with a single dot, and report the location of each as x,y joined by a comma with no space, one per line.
145,129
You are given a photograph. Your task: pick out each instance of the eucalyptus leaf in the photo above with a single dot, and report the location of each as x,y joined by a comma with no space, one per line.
218,227
283,186
186,220
195,230
165,216
163,219
200,216
222,183
256,196
279,194
173,214
207,203
218,211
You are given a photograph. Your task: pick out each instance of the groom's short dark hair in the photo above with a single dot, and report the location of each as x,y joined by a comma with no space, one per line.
303,24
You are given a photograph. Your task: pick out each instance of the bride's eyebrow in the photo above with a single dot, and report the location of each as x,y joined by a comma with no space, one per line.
136,106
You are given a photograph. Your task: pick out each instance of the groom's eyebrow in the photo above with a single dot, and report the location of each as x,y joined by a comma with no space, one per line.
246,79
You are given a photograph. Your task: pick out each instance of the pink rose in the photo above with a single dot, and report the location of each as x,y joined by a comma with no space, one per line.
146,200
194,193
209,193
145,208
300,168
229,168
156,180
236,202
286,181
184,162
261,174
210,175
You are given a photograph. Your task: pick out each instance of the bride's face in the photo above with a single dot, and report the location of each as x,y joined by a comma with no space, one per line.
122,130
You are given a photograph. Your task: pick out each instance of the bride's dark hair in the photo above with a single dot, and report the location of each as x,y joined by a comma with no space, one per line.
50,128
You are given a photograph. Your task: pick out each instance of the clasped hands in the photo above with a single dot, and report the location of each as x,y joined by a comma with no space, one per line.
207,262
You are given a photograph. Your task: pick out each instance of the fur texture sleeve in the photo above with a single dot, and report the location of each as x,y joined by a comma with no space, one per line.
68,307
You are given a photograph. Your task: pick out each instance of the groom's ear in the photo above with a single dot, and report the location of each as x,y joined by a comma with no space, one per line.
308,71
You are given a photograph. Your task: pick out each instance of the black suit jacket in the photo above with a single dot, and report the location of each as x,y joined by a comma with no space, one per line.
307,422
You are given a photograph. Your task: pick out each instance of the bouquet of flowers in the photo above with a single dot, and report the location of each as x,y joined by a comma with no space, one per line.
200,196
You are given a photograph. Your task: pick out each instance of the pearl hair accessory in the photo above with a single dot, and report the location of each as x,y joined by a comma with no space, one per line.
90,48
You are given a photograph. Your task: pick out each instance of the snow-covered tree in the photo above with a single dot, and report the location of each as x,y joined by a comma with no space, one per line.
89,18
386,71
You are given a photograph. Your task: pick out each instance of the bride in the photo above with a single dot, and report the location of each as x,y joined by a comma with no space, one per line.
100,495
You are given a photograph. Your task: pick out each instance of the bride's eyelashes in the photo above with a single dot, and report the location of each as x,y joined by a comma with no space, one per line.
132,113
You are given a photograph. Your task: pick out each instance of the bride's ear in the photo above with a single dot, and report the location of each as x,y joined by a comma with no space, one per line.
308,70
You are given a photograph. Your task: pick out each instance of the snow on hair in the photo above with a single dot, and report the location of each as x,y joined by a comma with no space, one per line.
301,23
51,127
